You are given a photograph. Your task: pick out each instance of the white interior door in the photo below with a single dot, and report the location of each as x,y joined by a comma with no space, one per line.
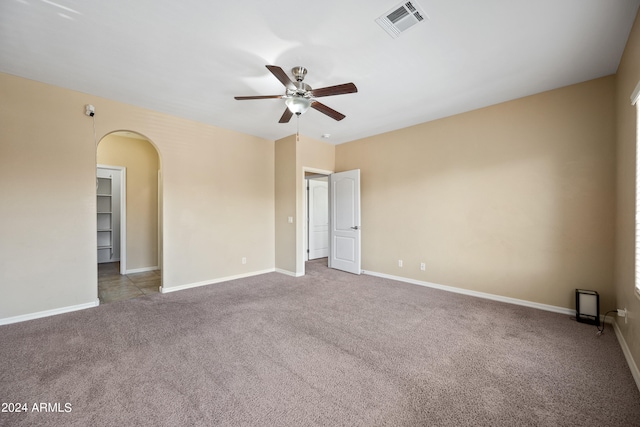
344,199
318,218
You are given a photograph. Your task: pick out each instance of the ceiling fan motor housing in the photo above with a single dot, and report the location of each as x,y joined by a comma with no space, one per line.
302,89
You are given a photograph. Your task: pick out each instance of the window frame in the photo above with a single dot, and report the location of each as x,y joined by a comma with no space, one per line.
635,98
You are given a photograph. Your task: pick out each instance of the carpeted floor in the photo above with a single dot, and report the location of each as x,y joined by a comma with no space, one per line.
327,349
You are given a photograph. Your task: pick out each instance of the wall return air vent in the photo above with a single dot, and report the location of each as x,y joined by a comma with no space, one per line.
401,18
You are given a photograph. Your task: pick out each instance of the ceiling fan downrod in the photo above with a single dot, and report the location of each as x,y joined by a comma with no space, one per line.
299,73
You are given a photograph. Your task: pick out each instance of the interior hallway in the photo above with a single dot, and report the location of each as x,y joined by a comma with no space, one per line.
112,286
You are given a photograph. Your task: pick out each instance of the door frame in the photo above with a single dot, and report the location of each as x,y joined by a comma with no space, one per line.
123,213
302,225
307,218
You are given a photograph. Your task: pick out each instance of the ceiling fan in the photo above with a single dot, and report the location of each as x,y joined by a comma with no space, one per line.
300,96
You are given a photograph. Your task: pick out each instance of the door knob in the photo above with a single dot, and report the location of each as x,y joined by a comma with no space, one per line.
356,227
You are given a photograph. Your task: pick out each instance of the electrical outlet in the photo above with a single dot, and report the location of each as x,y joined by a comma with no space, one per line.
399,263
290,220
423,266
244,260
622,312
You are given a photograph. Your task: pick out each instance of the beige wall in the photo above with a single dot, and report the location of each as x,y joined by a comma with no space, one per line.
627,77
293,157
286,153
516,199
142,164
317,154
218,196
47,187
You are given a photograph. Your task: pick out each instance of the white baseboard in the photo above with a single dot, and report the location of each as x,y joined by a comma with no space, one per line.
142,270
47,313
627,354
288,273
516,301
165,290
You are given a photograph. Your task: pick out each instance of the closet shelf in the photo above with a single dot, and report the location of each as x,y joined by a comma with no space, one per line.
104,209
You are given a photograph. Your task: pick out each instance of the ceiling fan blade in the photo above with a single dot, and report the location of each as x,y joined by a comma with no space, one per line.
282,76
286,116
243,98
327,110
334,90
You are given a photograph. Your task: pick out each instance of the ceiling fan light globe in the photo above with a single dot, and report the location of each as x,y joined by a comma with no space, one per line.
298,105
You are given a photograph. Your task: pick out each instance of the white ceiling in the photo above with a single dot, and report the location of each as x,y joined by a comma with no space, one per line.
190,58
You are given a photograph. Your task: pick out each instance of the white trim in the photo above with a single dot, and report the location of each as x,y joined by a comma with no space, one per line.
300,200
288,273
627,355
165,290
635,95
123,221
305,219
636,284
142,270
47,313
123,214
160,236
525,303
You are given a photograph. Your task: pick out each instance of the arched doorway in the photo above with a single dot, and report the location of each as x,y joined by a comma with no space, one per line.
129,216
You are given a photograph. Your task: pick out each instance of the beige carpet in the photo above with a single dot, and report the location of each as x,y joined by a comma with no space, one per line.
327,349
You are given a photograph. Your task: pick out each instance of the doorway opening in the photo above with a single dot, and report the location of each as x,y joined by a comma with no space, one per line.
318,176
317,217
343,217
129,216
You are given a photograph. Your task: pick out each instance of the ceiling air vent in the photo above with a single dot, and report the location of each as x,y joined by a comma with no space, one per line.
401,18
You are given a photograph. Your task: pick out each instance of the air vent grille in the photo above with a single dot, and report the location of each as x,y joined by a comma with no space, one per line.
397,15
401,18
